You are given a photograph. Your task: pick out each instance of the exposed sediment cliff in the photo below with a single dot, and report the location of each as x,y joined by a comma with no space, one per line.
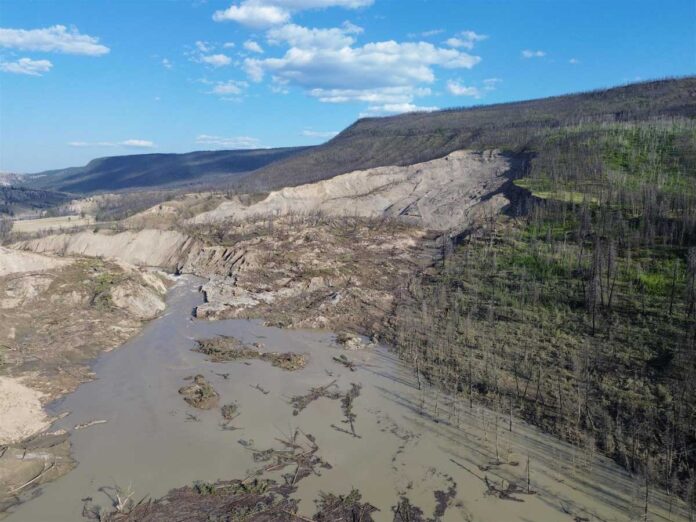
444,194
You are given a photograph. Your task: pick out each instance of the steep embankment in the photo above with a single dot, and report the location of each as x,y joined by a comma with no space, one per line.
14,262
444,194
157,248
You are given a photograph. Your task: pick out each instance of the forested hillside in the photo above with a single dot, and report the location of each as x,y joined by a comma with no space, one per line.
147,171
16,200
577,311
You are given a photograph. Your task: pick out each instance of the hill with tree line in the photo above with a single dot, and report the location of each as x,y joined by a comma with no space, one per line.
577,310
423,136
148,171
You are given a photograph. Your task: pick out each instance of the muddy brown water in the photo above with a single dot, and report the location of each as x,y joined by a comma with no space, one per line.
151,443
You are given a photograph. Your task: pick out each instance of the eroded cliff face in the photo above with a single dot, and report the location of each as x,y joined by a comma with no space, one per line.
449,193
16,262
155,248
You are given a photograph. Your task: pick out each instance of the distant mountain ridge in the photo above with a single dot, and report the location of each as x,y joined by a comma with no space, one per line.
142,171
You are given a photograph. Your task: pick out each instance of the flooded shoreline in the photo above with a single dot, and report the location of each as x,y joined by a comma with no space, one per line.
409,443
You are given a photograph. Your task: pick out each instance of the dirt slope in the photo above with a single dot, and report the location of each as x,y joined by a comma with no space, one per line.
14,262
443,194
161,248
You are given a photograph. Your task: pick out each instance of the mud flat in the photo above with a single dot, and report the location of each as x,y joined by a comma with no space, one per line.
441,458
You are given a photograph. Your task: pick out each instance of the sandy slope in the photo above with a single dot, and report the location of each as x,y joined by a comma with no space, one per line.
21,413
14,262
446,193
161,248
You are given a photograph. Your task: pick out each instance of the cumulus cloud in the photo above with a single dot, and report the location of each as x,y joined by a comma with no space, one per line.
489,84
26,66
319,134
395,108
303,37
204,47
373,65
234,142
573,61
330,65
216,60
528,53
253,15
138,144
466,40
254,47
384,95
229,88
131,143
266,13
166,63
458,89
56,38
427,34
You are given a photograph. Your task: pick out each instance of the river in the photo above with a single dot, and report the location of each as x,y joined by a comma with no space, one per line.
153,441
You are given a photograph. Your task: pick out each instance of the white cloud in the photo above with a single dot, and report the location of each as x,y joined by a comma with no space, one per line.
203,47
350,28
574,61
138,144
458,89
266,13
132,143
26,66
395,108
330,66
527,53
373,65
431,32
230,87
56,38
235,142
489,84
216,60
166,63
253,15
466,40
384,95
228,45
304,37
254,47
319,134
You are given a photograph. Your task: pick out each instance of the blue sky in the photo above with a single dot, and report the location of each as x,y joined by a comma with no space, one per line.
84,79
